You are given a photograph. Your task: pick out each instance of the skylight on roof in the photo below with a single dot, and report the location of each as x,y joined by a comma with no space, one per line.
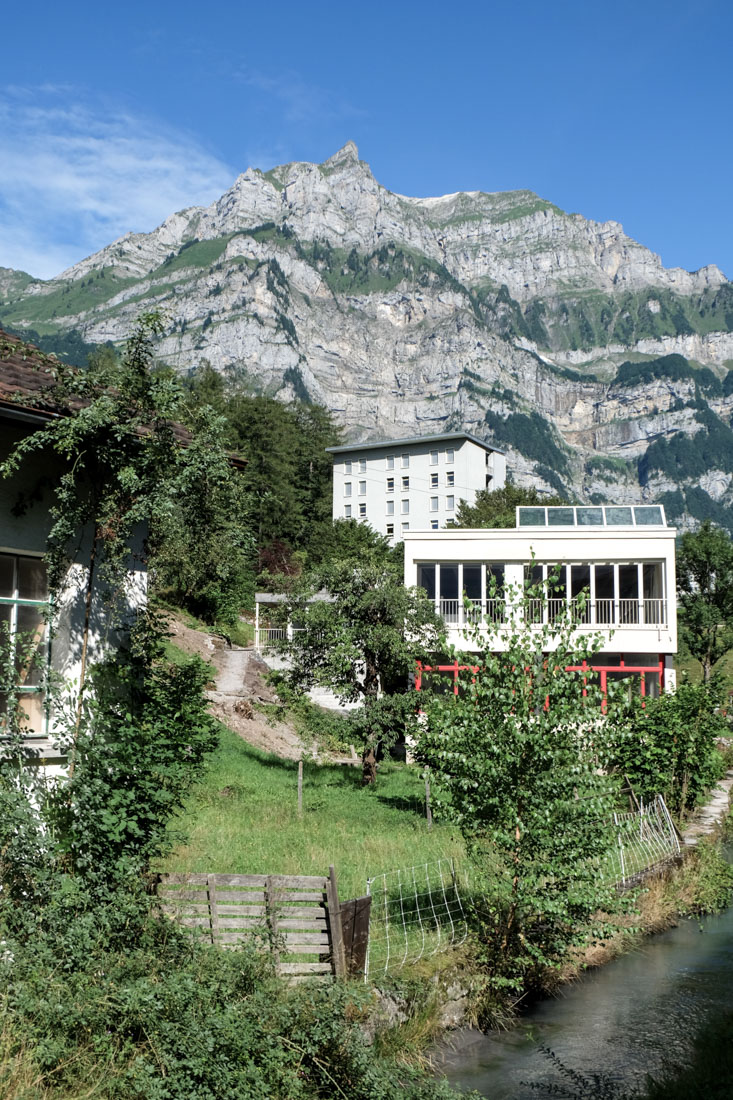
607,515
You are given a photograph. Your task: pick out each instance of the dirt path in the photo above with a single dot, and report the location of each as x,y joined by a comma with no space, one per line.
239,684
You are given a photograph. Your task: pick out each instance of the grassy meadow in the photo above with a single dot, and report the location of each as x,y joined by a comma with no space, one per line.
243,819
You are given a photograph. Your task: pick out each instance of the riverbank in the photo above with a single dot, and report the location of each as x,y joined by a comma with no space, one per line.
663,959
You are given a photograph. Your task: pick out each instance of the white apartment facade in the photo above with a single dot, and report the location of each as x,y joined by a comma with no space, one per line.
621,557
402,485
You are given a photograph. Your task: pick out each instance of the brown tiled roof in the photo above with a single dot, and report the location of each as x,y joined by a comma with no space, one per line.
26,377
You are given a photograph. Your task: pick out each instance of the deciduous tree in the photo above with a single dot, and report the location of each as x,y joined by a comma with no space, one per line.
362,640
515,758
705,587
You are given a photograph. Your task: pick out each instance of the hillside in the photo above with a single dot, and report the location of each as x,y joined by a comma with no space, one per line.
603,373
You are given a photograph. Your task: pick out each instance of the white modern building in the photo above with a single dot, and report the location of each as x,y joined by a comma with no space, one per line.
622,558
401,485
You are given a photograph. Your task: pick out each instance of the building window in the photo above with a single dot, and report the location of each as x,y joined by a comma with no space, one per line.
362,488
390,507
449,477
362,465
390,484
23,600
390,462
433,458
390,530
449,456
449,504
405,484
347,511
405,507
433,525
405,462
347,488
362,511
433,504
405,527
347,466
433,481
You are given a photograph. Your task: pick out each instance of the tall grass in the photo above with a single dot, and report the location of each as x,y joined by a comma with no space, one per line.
243,819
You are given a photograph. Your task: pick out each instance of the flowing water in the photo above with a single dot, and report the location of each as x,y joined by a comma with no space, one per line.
632,1017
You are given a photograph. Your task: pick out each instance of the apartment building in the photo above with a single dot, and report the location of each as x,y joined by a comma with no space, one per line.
401,485
621,557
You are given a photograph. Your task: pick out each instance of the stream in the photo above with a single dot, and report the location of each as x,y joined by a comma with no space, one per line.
632,1017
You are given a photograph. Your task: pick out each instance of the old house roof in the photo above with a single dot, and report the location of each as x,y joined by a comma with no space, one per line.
28,388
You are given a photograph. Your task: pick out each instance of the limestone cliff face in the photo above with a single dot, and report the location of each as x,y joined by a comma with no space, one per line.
494,312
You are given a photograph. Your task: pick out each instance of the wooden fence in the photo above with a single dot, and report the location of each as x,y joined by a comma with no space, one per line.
298,916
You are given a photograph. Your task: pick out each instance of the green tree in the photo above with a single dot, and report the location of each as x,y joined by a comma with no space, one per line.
515,757
288,472
363,641
705,588
496,508
668,746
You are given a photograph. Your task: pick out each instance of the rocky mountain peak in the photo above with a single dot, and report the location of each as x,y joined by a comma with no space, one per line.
347,154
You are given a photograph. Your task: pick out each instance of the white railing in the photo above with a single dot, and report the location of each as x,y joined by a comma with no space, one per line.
605,612
268,637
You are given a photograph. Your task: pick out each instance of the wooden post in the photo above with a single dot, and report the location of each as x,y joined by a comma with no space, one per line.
213,907
428,811
355,928
271,911
334,922
300,787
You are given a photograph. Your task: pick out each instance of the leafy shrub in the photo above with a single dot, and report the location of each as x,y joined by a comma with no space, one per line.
669,747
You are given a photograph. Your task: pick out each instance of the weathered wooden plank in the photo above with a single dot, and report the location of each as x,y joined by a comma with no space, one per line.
299,895
298,882
338,954
238,880
193,879
186,895
306,937
242,922
306,925
241,910
245,897
292,911
304,968
195,922
305,949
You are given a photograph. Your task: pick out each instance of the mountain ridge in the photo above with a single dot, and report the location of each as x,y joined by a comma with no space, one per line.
494,312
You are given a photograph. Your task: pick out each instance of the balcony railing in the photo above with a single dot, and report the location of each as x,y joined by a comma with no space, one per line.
595,613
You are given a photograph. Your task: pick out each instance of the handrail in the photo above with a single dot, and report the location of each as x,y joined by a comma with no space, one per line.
594,613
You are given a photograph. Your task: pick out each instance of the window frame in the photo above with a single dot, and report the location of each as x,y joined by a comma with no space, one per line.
14,602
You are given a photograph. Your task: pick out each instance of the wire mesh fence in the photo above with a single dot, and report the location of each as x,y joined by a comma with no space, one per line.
415,912
421,910
645,838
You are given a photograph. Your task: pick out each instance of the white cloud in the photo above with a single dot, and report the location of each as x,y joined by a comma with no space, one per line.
74,177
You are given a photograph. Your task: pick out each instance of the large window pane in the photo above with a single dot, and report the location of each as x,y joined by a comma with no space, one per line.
472,581
30,645
628,582
628,585
7,574
426,579
560,517
32,583
449,582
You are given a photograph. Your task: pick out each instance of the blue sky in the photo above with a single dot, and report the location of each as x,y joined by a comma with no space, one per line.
114,116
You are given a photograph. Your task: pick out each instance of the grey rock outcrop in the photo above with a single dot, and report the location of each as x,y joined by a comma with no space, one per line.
496,312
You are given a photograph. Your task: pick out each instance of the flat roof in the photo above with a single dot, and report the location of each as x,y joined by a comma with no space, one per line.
442,438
